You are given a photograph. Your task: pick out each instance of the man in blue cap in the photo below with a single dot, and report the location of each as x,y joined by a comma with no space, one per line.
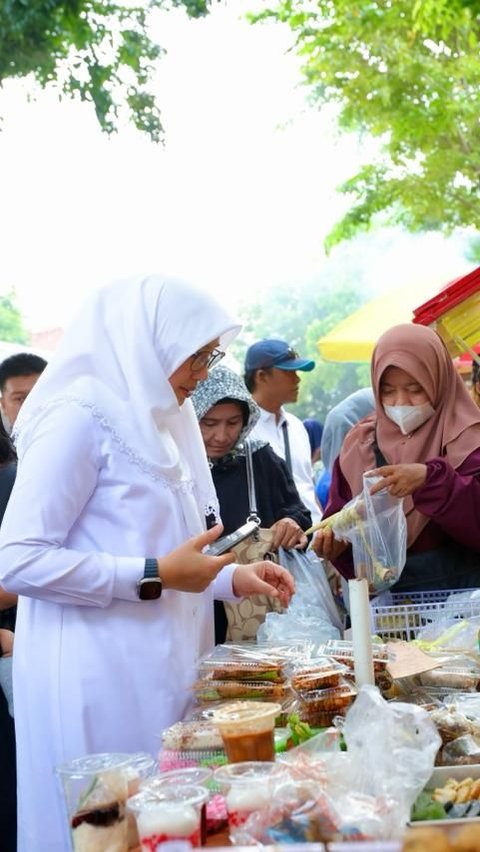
271,376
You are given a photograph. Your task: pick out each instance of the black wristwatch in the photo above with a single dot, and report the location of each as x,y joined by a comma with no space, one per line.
149,587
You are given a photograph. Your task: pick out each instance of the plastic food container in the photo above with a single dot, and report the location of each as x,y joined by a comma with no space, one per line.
170,812
317,674
236,662
247,730
210,690
247,787
95,789
329,700
198,776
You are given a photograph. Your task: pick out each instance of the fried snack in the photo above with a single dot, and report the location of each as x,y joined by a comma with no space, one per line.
267,671
451,678
320,720
328,700
452,724
426,840
321,676
457,792
218,690
447,793
341,650
468,839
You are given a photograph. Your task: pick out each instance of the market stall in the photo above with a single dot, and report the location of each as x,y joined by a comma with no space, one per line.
455,314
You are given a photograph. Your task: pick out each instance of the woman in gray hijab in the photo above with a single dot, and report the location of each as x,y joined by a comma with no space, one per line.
227,414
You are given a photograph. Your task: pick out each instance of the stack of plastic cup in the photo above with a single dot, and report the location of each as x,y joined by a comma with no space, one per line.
199,776
248,787
168,812
140,767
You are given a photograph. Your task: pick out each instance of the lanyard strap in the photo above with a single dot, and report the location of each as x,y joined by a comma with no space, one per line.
252,500
286,441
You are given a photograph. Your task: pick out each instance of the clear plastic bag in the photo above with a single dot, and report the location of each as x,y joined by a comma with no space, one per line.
392,749
312,588
377,529
366,792
312,613
450,633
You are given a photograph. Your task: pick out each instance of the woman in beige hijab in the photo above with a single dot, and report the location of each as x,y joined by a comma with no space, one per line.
424,441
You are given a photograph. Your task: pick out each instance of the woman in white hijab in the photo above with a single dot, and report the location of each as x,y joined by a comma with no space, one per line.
113,487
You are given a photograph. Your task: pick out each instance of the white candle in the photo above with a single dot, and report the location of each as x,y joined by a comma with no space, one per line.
361,636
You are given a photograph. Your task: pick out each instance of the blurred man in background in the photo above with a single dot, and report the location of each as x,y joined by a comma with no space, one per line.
18,375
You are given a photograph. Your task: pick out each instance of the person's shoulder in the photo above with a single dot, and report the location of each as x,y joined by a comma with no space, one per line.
66,423
72,412
265,454
293,420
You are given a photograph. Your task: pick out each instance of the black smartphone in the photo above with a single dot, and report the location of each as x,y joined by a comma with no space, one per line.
226,542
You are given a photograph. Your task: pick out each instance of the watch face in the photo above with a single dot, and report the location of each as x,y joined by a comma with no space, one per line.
149,589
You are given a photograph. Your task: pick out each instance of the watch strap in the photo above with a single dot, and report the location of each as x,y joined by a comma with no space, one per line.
150,571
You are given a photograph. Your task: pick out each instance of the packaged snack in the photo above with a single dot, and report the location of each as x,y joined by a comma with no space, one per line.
333,700
452,724
462,751
234,662
342,651
319,673
192,736
451,677
210,689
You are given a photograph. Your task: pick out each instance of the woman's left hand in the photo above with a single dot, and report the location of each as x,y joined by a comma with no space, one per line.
264,578
287,534
399,479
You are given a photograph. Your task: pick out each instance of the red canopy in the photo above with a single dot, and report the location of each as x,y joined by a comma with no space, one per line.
455,313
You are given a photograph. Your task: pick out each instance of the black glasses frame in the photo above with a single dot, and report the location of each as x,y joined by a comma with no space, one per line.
200,360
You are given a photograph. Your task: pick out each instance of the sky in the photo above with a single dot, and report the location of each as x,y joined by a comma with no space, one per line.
240,196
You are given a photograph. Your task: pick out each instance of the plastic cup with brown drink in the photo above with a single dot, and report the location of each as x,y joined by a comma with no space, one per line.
247,729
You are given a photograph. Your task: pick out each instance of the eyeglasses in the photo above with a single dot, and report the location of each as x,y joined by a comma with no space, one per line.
200,360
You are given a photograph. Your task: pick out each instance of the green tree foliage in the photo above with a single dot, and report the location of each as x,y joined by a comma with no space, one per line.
408,73
301,314
11,322
98,50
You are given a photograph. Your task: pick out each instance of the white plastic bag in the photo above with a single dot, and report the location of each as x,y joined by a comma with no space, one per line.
392,748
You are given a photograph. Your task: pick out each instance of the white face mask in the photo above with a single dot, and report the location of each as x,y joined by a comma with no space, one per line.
409,417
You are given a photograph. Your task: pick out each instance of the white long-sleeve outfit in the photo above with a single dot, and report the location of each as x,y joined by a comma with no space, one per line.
95,668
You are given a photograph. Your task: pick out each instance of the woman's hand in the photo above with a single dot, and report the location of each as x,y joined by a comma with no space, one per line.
187,569
287,534
399,479
264,578
326,546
